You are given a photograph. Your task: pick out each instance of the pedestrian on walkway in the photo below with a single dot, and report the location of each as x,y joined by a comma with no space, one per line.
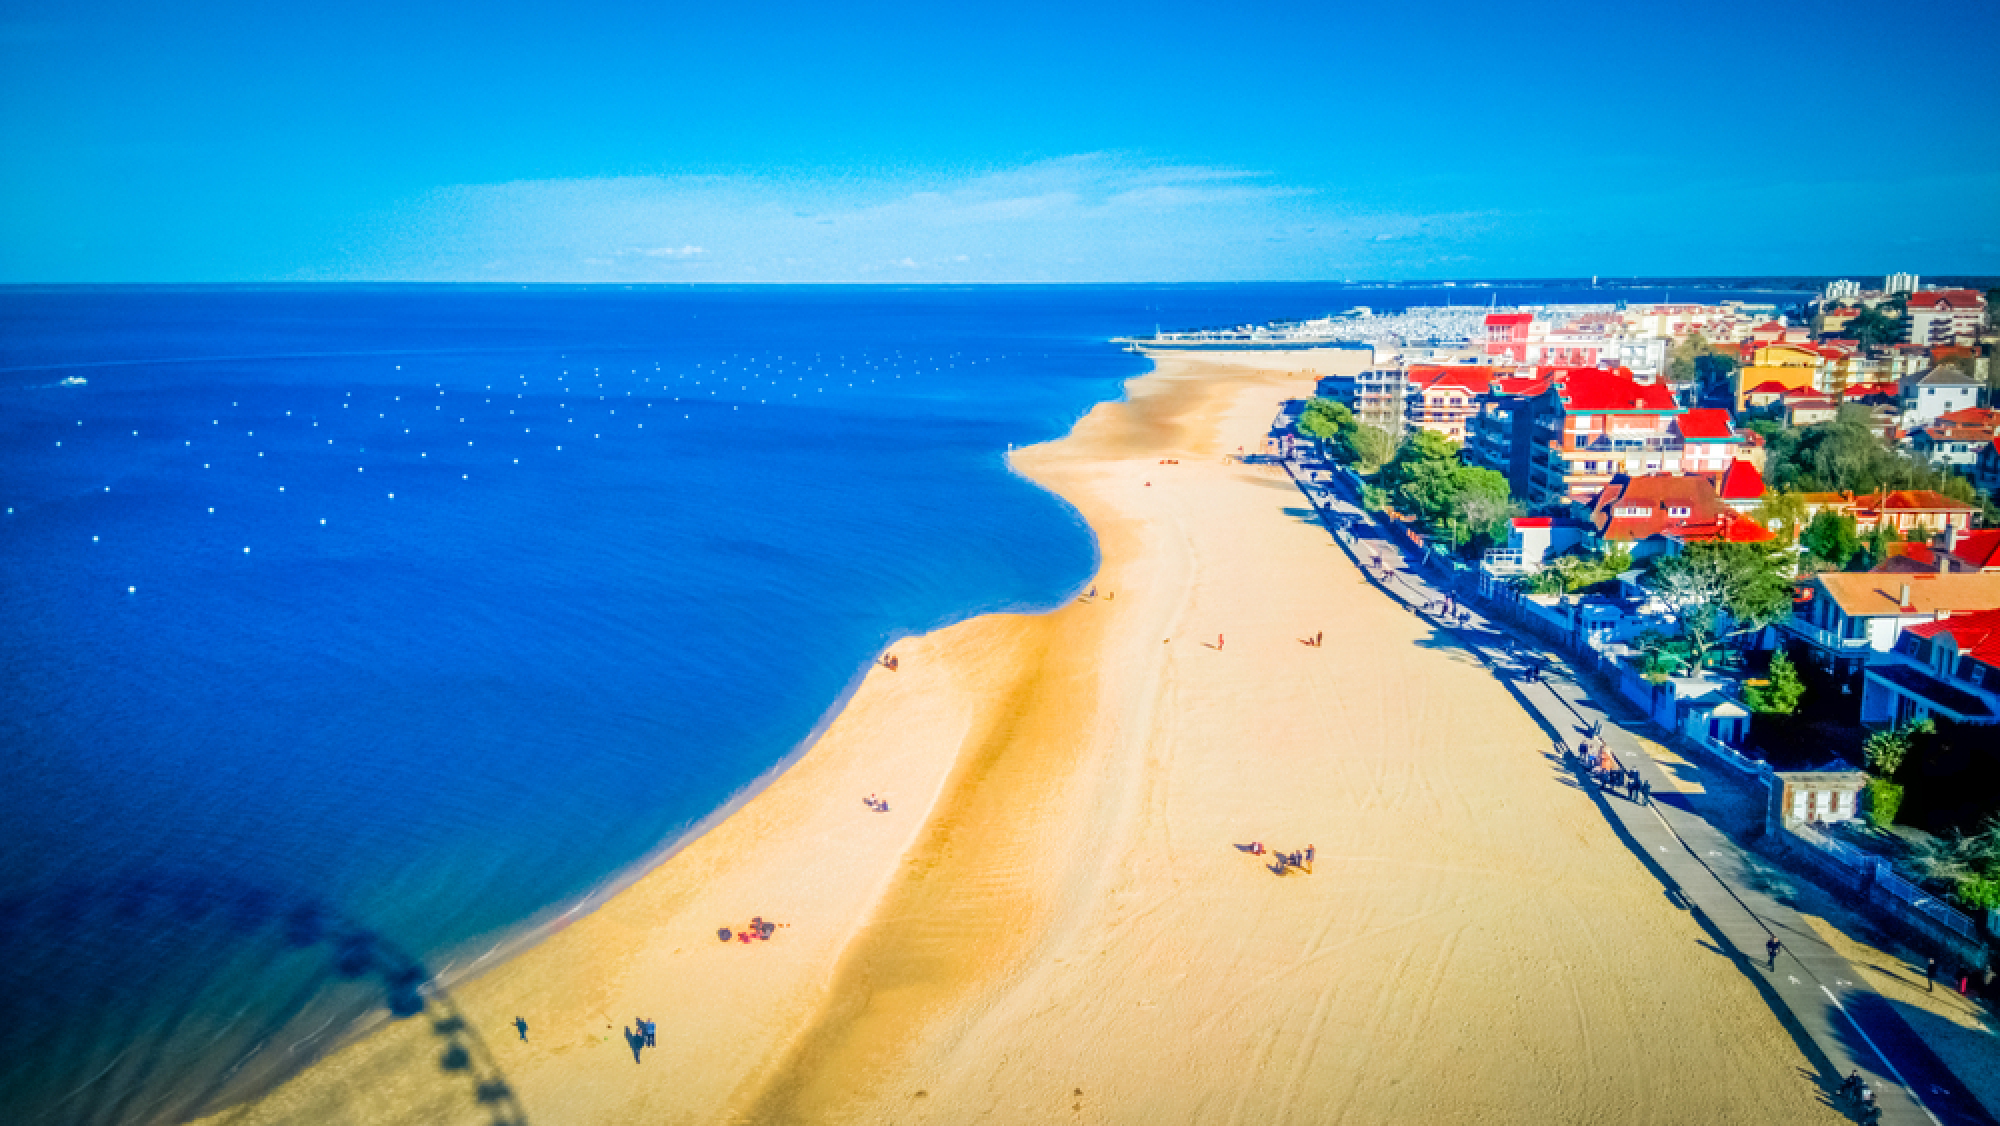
1771,948
1930,975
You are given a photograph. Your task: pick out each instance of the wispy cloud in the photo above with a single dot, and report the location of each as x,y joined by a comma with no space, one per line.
1092,217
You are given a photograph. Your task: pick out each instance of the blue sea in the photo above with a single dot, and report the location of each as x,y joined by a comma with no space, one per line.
348,633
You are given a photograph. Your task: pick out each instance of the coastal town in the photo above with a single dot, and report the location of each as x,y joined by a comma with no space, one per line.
1772,533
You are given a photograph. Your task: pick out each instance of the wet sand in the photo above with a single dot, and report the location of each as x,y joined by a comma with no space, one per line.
1057,921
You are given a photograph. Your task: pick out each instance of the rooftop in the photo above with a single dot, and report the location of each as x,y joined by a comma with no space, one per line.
1706,424
1976,635
1594,389
1630,509
1741,481
1867,594
1937,299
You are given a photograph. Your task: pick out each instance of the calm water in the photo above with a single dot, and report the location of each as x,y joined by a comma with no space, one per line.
349,625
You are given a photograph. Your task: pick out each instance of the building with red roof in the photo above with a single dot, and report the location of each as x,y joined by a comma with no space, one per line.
1946,316
1443,398
1507,335
1657,515
1905,511
1953,444
1592,425
1741,486
1944,669
1953,550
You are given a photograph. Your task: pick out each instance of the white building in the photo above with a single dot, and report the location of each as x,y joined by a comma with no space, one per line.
1842,288
1900,283
1939,391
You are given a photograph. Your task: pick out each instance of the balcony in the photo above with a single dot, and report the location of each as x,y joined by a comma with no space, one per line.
1829,640
1598,443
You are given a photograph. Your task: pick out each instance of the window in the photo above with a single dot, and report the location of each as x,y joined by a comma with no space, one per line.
1582,422
1679,511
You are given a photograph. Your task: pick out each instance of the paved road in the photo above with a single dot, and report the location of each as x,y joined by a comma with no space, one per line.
1839,1021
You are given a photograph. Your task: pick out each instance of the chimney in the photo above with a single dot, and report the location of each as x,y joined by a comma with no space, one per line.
1903,597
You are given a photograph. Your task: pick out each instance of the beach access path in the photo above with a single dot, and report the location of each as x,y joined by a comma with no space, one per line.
1811,987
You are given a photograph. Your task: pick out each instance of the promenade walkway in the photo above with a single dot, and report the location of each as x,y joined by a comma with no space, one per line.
1838,1020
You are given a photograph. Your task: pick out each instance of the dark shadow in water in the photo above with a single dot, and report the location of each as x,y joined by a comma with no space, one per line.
160,996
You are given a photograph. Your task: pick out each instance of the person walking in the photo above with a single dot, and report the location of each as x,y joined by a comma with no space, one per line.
1771,948
1930,975
1309,860
521,1026
1218,643
1319,639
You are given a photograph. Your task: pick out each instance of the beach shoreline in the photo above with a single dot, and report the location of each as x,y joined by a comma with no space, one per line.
1058,916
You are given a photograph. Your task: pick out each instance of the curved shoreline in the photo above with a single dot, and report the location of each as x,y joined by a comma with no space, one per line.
638,943
1051,923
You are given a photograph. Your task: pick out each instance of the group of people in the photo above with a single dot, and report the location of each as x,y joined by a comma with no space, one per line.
1316,640
1857,1090
641,1034
759,930
879,805
1283,862
889,661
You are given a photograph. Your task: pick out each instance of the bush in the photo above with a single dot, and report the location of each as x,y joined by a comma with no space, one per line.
1884,799
1978,892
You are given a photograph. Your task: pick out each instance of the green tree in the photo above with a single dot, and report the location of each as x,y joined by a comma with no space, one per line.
1886,749
1785,509
1422,449
1482,506
1718,591
1324,421
1781,690
1419,477
1681,359
1832,537
1876,328
1877,548
1368,447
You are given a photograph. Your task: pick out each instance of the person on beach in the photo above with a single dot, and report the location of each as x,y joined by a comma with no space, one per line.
1218,643
1930,975
1309,860
521,1026
1771,948
1256,848
1319,638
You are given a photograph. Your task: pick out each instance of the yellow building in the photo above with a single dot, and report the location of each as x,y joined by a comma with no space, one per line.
1791,366
1831,319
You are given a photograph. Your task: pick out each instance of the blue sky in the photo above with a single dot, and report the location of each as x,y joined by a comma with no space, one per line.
1018,142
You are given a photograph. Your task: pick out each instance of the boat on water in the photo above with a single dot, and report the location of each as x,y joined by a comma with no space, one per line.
75,381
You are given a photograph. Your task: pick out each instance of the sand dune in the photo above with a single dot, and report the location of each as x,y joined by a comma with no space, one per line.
1056,921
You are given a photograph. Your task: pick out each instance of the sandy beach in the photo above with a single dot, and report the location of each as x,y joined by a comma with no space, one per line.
1058,920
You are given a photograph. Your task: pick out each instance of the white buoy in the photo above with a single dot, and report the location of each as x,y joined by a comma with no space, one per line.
131,590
